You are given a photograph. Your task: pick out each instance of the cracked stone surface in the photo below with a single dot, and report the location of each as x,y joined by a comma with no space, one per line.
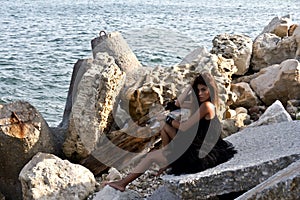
262,152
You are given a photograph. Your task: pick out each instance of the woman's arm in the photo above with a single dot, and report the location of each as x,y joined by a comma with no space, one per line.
181,100
206,109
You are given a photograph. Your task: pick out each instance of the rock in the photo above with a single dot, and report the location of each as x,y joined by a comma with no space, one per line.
114,45
113,174
273,114
296,36
195,55
262,152
236,47
293,108
275,44
80,67
23,133
281,82
48,177
279,26
269,49
162,193
283,185
94,103
245,95
229,127
163,84
110,193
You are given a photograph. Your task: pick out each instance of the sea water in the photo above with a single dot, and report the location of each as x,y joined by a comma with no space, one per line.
40,41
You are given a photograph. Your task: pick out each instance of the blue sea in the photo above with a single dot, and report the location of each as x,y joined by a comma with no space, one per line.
40,41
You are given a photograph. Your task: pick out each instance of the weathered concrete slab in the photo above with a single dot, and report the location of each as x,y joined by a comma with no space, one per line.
262,152
283,185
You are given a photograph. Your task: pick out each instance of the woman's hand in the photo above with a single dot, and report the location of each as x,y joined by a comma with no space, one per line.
182,97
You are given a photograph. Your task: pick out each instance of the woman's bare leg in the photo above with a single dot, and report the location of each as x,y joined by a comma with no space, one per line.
164,137
167,134
154,156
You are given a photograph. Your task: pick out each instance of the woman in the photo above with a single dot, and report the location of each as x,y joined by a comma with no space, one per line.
193,145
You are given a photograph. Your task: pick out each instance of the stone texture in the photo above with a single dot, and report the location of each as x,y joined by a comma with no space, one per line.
262,152
23,133
280,82
245,95
162,193
110,193
114,45
276,43
296,36
80,67
293,108
285,184
48,177
269,49
162,84
279,26
94,102
236,47
273,114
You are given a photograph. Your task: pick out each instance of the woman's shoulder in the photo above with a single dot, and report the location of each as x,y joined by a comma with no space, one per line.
208,108
208,105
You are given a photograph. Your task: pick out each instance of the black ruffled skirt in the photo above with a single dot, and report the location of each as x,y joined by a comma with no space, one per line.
190,162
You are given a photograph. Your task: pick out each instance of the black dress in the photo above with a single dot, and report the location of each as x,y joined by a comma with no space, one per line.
202,148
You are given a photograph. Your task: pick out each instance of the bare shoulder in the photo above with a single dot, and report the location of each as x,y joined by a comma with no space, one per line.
208,105
209,109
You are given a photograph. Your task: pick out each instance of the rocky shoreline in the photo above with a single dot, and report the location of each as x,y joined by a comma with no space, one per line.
109,123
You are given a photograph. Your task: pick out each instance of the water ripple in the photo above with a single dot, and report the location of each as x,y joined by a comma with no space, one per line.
41,41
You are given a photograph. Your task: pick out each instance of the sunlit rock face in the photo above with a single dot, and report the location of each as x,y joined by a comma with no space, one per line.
23,133
93,106
280,82
236,47
46,176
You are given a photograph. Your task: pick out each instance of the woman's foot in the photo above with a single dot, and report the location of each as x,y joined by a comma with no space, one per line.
116,185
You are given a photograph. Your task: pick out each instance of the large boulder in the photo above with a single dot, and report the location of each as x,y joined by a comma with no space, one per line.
116,46
269,49
162,84
236,47
94,103
280,82
283,185
276,43
48,177
279,26
262,152
245,95
275,113
80,67
23,133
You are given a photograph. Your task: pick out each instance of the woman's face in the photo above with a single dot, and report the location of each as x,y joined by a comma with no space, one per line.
203,93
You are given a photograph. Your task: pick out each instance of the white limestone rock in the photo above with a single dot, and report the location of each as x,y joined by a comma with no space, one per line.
278,82
270,49
279,26
94,104
273,114
245,95
48,177
110,193
282,185
236,47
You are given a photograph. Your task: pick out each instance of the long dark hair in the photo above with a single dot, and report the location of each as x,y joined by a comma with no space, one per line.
208,80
